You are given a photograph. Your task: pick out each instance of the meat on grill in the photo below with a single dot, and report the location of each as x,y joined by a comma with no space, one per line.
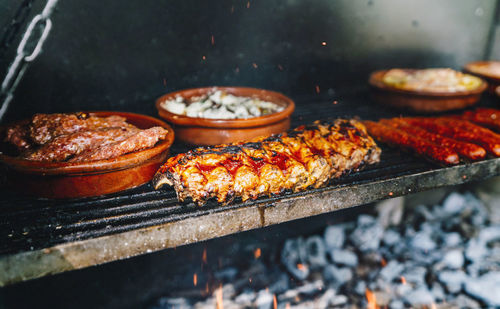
424,147
66,146
487,117
127,143
308,156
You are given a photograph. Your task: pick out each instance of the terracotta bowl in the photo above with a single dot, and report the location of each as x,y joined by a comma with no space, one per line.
204,131
422,101
480,69
72,180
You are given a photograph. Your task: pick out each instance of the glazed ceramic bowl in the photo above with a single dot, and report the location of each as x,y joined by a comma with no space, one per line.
484,69
422,101
204,131
73,180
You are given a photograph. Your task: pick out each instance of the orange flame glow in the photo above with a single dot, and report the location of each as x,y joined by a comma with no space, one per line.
275,302
218,298
257,253
317,89
301,267
323,43
383,262
403,280
204,256
195,279
212,39
371,299
255,65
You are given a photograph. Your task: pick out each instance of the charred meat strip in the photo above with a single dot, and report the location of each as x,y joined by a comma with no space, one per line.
487,117
461,130
126,143
18,135
466,150
308,156
394,136
45,127
65,146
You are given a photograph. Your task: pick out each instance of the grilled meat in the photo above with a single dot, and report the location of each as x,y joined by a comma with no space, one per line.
394,136
129,141
487,117
308,156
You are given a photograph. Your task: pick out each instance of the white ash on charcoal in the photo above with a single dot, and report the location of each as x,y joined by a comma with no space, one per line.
445,255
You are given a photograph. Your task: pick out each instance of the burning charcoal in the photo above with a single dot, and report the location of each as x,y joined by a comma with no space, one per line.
390,212
344,257
419,297
293,260
396,304
246,298
367,234
392,270
264,300
391,237
454,259
486,288
337,276
415,275
422,241
454,204
462,301
334,236
452,239
453,280
438,292
316,254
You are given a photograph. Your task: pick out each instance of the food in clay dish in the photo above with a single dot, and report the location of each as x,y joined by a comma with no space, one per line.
79,137
431,80
219,104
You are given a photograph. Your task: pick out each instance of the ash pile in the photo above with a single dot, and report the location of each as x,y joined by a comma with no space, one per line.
426,256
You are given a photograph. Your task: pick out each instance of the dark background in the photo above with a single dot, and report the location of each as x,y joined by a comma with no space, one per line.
121,55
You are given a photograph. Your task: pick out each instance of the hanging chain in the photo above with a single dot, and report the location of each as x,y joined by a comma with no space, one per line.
29,48
12,28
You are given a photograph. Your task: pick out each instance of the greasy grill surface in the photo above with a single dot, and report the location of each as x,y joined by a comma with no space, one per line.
30,223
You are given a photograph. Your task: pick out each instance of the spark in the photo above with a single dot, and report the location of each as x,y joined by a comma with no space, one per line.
255,66
317,89
218,298
204,255
383,262
195,279
204,57
212,39
257,253
391,193
403,280
323,43
335,102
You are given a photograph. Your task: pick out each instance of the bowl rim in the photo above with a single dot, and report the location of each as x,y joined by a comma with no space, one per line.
469,68
125,161
226,123
375,80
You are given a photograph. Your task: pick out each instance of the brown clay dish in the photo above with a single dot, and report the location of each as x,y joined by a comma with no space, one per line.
422,101
481,69
72,180
204,131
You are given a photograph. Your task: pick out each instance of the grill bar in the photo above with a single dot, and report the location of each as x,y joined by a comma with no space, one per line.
40,236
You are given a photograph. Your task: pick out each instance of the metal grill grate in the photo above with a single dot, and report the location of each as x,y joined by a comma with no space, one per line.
31,224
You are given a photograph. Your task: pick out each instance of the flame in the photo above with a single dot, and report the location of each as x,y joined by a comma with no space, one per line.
204,255
301,267
206,288
275,302
383,262
195,279
391,193
371,299
323,43
218,298
335,102
403,280
317,89
257,253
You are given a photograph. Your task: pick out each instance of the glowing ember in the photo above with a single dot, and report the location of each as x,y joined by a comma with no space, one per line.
257,253
403,280
301,267
275,302
204,256
204,57
371,299
317,89
335,102
323,43
255,65
250,279
391,193
218,298
195,279
383,262
212,39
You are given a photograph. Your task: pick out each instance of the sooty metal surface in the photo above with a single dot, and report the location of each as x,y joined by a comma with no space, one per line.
39,237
